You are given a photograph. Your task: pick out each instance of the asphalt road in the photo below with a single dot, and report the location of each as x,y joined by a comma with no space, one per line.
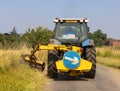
106,80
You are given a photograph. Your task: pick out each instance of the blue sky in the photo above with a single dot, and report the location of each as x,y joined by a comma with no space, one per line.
103,14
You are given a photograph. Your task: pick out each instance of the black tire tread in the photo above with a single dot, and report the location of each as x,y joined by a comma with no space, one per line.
90,55
52,57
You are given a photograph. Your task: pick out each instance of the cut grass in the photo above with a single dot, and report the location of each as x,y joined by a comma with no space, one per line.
16,75
109,56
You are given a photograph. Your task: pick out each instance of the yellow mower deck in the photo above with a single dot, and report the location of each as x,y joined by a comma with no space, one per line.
84,66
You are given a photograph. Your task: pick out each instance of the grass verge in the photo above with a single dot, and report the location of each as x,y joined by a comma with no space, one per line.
16,75
109,56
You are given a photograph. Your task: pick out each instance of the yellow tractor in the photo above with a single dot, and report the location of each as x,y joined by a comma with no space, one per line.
70,52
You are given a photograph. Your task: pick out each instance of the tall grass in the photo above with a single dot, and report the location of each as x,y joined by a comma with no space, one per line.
109,56
16,75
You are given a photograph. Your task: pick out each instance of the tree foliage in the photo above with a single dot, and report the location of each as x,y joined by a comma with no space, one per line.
11,39
99,38
38,35
41,35
14,40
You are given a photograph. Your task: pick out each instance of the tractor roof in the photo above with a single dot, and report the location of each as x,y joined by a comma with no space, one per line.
75,20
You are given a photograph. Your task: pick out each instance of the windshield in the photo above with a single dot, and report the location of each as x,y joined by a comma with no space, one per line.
71,31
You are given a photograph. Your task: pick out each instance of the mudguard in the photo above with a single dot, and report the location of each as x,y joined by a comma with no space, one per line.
88,42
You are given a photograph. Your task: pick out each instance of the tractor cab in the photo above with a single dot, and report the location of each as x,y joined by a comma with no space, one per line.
71,31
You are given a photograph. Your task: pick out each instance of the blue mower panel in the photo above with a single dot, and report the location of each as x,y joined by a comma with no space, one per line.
71,60
88,42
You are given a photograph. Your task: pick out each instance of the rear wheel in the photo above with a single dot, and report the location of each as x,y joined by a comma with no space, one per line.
90,55
52,58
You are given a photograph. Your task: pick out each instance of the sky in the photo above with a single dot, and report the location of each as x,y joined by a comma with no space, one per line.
24,14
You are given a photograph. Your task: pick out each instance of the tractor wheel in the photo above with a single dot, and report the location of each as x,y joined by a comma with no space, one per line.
52,58
90,54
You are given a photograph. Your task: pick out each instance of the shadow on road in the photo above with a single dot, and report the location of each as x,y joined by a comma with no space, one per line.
64,77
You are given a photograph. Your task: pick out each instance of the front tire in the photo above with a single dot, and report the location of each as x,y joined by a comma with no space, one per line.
52,58
90,55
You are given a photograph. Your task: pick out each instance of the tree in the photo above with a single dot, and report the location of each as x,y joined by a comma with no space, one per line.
12,39
39,35
1,37
99,37
14,31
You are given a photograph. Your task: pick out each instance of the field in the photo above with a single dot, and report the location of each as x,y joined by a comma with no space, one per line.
109,56
16,75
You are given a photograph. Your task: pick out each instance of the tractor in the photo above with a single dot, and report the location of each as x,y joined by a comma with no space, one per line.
70,52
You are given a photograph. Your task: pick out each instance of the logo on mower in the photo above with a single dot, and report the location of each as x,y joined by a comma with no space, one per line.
71,59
